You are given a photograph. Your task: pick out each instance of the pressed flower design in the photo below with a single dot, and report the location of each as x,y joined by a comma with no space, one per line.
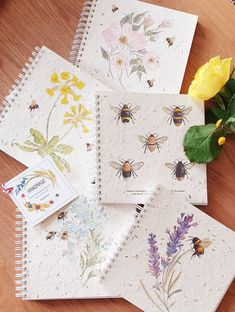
127,48
64,88
164,269
82,226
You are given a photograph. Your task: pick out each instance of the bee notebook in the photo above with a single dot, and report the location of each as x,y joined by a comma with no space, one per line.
140,144
52,112
174,258
133,46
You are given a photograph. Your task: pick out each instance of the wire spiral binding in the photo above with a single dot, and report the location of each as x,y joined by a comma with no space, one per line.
98,149
20,255
138,215
82,31
21,224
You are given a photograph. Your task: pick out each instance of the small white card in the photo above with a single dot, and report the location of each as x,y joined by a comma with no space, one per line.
40,191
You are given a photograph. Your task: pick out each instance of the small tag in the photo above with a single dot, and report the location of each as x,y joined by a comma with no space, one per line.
40,191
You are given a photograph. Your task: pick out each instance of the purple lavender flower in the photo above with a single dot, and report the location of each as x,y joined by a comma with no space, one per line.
154,256
175,238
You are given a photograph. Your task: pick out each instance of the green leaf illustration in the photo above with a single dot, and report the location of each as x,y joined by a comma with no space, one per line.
200,143
61,163
82,261
136,27
64,149
104,54
53,141
26,148
38,136
138,18
127,19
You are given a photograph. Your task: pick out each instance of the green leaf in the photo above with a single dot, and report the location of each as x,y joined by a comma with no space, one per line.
104,54
200,143
214,114
38,137
64,149
53,142
231,85
26,148
219,100
138,18
136,27
231,108
134,69
127,19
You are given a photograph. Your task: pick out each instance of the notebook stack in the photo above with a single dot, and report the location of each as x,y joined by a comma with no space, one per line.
113,121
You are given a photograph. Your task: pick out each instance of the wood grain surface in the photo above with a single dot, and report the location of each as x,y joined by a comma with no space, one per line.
25,24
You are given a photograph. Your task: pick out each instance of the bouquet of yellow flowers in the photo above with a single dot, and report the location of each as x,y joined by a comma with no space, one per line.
213,80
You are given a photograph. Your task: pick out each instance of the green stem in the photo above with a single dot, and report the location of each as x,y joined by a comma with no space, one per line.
66,133
228,129
49,117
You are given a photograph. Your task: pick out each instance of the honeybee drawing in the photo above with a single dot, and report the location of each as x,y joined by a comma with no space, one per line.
125,112
199,246
180,169
126,168
151,142
177,114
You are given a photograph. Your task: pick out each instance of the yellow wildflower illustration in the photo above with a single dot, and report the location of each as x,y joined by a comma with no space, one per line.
78,115
66,84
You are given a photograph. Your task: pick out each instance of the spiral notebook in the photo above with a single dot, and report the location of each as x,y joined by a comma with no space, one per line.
133,46
182,260
51,111
140,144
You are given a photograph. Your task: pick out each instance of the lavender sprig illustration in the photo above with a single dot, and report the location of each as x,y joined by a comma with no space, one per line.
163,269
154,256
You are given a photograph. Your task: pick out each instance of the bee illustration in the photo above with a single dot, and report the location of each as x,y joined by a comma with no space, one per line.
89,147
151,141
51,235
114,8
177,114
33,105
125,112
199,246
64,235
126,168
62,215
151,83
180,169
170,41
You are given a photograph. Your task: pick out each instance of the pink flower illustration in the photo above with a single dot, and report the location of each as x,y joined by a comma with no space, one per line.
151,60
124,37
121,60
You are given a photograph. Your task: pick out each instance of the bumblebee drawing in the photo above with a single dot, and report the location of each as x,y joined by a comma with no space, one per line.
51,235
199,246
114,8
151,142
180,169
126,168
177,114
62,215
33,105
170,41
125,112
150,83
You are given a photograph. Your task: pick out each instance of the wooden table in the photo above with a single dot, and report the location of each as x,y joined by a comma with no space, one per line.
28,23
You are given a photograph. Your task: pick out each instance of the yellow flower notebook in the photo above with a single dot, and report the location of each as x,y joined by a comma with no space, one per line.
52,112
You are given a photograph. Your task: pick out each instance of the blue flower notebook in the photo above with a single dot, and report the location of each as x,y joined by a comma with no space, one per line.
174,258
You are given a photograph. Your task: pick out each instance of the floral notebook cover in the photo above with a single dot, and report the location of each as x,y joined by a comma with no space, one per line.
52,112
134,46
182,260
140,144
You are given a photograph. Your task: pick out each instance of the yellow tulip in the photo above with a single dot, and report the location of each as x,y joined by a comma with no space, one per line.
210,78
